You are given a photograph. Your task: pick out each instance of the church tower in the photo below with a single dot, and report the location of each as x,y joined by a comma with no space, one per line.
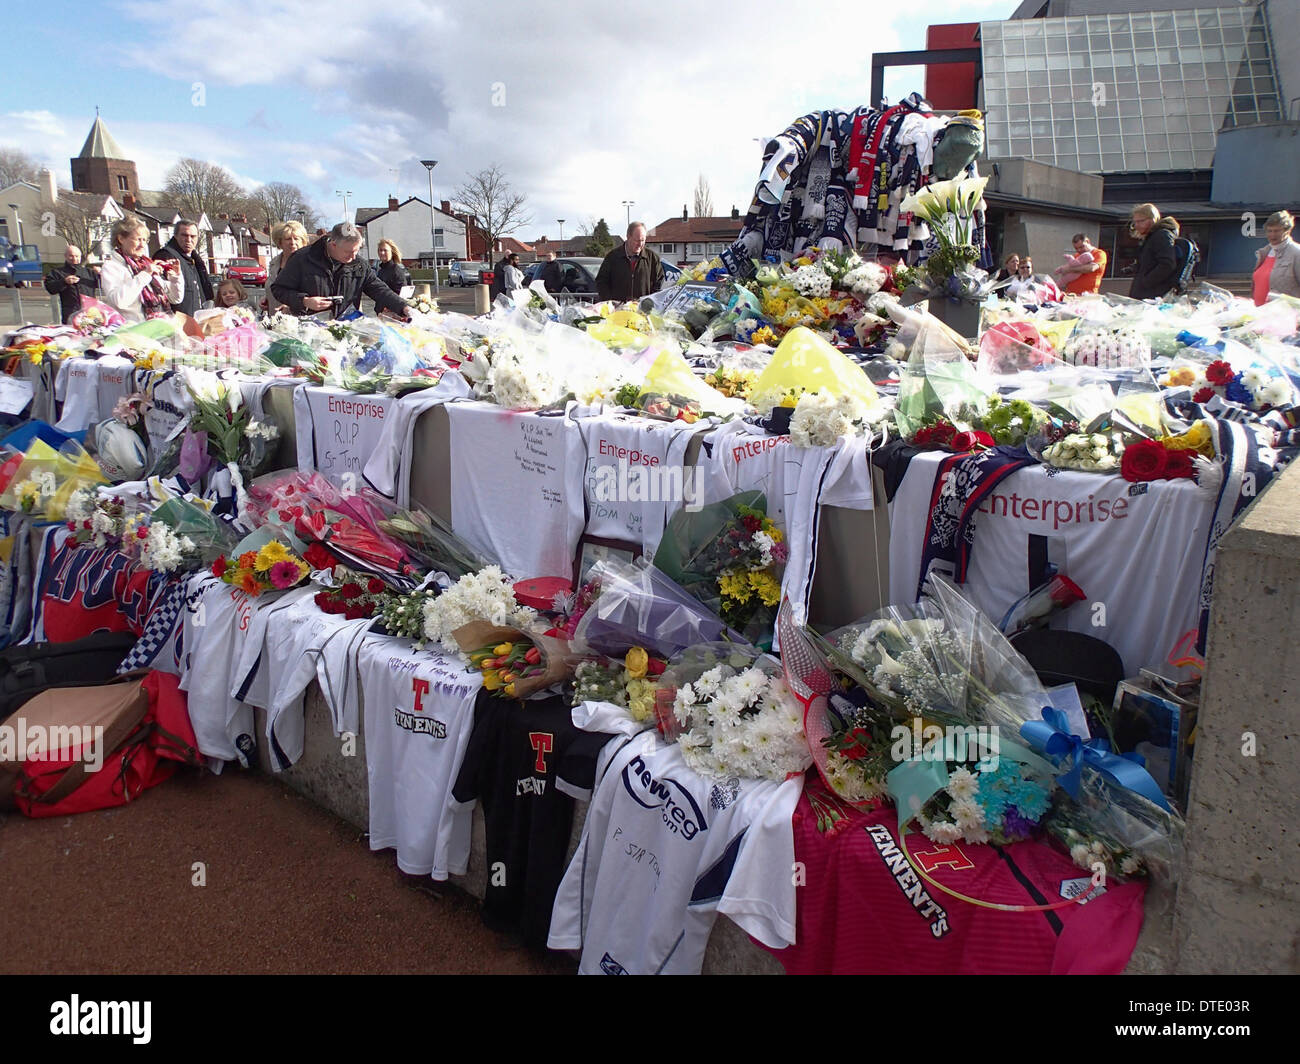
102,168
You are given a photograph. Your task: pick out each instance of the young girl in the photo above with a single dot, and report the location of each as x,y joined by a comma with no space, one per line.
230,293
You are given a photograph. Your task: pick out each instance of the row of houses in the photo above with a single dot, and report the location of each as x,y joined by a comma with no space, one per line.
105,190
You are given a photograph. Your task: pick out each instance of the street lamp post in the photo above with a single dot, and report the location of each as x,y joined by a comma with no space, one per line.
561,221
18,299
429,164
345,196
628,203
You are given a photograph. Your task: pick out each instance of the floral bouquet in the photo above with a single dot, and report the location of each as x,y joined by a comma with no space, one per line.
630,683
631,604
1012,346
155,545
1010,422
403,615
42,480
1120,348
729,555
96,519
354,595
937,431
1097,452
231,437
486,596
1254,388
272,568
131,410
732,714
948,208
515,662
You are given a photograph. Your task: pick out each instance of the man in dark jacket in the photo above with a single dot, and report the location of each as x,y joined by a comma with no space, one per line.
198,286
551,276
498,285
327,275
1157,265
69,281
631,270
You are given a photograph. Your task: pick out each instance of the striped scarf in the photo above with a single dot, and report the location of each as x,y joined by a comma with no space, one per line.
153,297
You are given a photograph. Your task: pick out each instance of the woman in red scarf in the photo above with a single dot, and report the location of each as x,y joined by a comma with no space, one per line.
134,284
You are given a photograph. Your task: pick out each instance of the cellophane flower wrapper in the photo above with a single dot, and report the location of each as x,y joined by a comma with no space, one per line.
212,536
730,711
558,659
696,551
936,380
429,542
65,470
805,362
1126,825
1010,347
638,605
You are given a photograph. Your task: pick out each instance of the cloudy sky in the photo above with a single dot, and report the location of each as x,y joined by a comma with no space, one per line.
584,103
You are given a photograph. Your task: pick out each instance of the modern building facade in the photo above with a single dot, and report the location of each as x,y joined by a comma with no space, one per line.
1140,92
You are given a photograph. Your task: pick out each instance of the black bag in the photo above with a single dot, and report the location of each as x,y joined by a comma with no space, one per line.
26,671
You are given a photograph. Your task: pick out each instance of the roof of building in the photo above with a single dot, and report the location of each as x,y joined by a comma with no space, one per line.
677,231
509,243
100,143
87,201
366,214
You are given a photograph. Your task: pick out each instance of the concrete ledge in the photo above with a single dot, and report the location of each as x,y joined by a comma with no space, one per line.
340,784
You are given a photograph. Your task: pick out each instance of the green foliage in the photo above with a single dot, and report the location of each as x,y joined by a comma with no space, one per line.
601,242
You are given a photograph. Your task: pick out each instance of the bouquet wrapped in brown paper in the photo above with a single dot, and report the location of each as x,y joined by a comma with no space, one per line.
514,662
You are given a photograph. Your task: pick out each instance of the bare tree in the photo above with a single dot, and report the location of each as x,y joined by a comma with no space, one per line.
198,188
279,201
703,199
16,165
78,225
500,210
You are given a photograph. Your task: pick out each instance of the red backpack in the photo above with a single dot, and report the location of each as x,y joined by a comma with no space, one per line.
146,735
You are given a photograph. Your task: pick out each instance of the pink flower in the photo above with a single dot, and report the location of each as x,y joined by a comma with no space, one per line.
284,574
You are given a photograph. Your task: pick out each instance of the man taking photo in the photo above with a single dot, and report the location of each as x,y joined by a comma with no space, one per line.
327,275
631,270
69,281
198,285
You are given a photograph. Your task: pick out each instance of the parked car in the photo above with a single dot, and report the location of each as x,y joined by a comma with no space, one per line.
246,271
464,274
20,263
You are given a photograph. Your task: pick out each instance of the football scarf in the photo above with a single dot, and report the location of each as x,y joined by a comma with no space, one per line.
961,484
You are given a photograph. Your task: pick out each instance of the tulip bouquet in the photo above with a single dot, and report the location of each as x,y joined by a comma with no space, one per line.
629,683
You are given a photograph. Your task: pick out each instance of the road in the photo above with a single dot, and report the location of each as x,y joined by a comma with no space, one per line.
289,889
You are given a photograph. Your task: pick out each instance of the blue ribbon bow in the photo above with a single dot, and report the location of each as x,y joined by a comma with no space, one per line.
1053,738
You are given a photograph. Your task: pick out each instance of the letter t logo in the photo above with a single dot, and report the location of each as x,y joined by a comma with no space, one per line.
542,742
421,688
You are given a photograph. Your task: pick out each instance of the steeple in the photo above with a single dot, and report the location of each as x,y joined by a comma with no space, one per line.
103,167
100,143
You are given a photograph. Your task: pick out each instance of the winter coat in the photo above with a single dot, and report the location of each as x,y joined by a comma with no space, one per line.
1157,266
198,285
311,272
70,294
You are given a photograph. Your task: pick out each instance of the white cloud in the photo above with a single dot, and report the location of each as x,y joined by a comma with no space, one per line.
602,102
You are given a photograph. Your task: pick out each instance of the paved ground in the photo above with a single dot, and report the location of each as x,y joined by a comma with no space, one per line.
290,890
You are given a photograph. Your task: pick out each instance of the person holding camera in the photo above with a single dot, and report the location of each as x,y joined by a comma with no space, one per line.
136,286
327,275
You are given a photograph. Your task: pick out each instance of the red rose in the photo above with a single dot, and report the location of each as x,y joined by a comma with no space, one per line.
1180,465
1219,373
1144,460
1203,395
374,585
318,557
355,611
72,526
322,600
969,441
219,567
350,590
655,667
